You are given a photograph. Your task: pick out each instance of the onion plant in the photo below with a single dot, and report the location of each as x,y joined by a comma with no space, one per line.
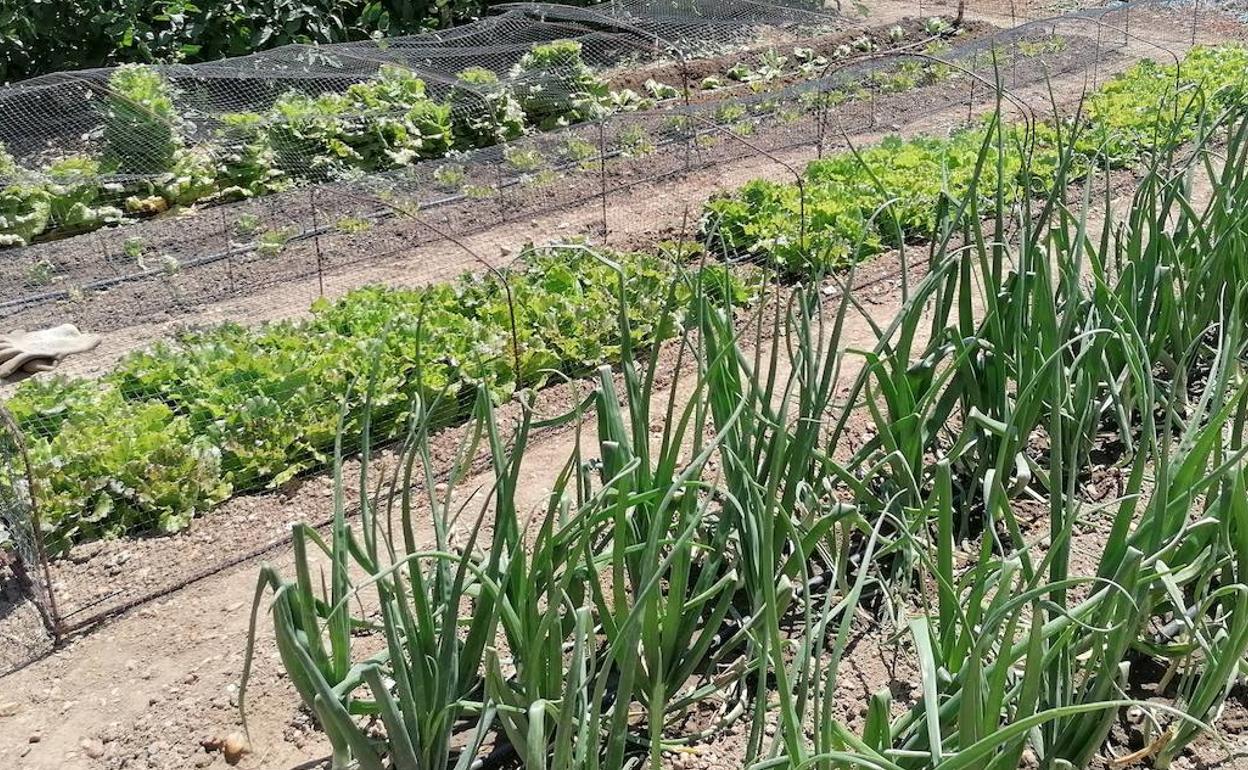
708,551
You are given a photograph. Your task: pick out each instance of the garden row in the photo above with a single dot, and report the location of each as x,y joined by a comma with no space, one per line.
805,63
856,203
147,163
1028,508
176,429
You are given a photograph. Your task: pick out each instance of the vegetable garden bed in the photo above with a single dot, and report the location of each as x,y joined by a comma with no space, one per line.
165,138
710,568
236,409
246,247
979,507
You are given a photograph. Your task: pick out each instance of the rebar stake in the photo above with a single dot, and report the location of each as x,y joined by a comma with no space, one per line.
228,251
602,175
316,243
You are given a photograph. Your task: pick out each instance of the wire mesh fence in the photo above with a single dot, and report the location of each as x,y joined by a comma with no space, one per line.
27,605
234,333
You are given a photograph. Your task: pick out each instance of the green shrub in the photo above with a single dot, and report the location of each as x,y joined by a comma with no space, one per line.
59,35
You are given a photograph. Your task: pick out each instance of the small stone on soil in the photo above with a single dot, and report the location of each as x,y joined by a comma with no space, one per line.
92,747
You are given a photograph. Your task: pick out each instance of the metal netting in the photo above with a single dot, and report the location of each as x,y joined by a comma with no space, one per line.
27,610
631,178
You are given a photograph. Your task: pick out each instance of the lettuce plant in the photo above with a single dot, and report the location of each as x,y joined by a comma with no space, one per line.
556,87
393,121
378,124
74,196
24,206
236,408
123,466
486,111
854,203
246,165
193,177
141,123
387,121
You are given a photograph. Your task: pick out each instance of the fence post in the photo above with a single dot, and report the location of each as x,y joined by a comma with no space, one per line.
227,248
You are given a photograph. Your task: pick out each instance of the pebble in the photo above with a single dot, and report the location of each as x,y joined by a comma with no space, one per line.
10,709
92,747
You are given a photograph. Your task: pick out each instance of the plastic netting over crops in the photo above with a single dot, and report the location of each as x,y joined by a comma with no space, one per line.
267,188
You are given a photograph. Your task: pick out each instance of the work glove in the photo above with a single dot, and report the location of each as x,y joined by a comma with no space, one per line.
23,352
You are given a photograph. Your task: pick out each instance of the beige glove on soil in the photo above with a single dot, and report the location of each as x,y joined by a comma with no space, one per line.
32,352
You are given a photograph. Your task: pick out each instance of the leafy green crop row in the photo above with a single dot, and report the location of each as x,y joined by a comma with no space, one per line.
386,122
174,430
854,204
807,63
